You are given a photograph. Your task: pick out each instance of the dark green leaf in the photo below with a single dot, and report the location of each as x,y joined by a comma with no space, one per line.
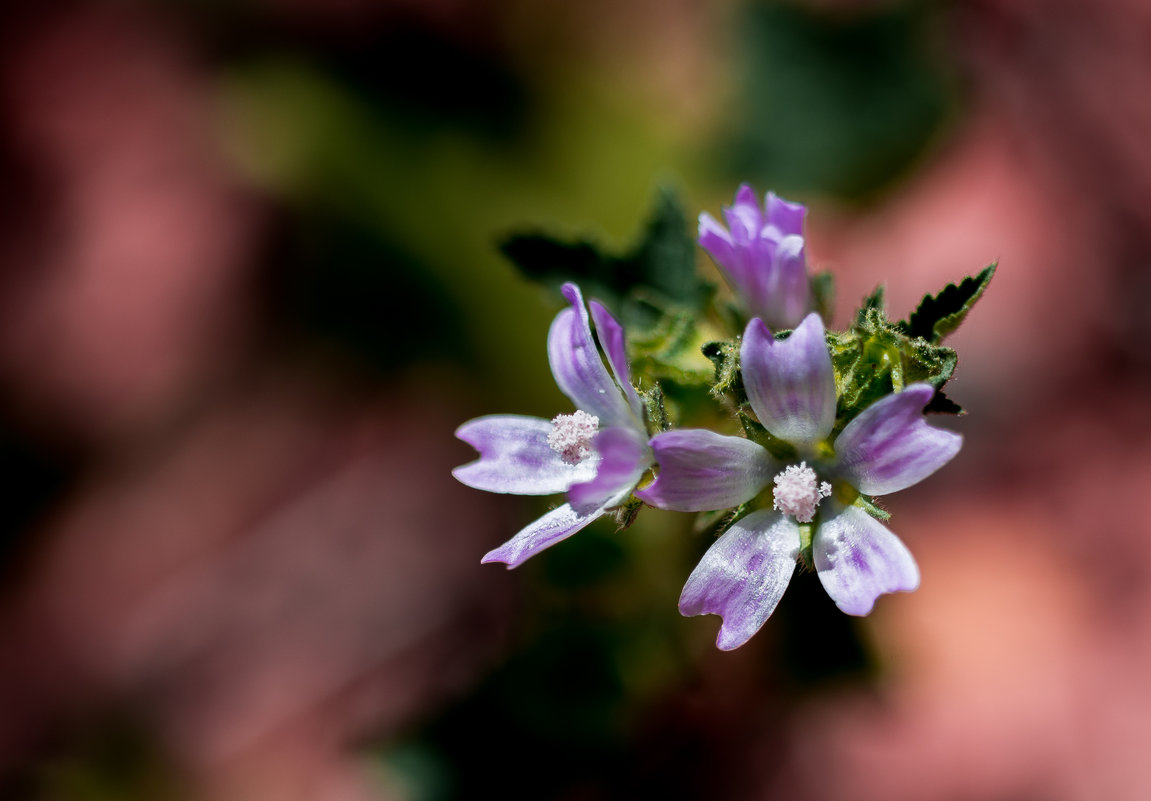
939,315
941,404
659,270
664,259
543,258
876,358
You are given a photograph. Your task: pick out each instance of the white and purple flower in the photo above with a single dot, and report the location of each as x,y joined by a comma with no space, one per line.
790,384
596,455
762,256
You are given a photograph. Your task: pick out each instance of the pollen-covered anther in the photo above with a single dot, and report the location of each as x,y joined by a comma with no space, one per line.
797,492
571,435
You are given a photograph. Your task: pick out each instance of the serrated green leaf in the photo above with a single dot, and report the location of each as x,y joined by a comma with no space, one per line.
941,404
876,358
939,315
873,302
659,267
665,256
543,258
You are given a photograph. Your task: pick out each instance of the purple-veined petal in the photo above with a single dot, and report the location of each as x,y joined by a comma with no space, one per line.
576,364
744,216
738,262
743,575
624,455
787,298
611,337
790,382
556,525
890,445
515,457
858,559
715,239
700,470
785,217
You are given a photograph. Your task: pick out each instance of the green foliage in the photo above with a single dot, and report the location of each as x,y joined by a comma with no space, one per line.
626,515
656,274
875,358
939,315
784,451
654,404
670,349
725,357
869,506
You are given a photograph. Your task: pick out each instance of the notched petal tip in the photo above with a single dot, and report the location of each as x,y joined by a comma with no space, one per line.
743,575
859,559
515,457
791,382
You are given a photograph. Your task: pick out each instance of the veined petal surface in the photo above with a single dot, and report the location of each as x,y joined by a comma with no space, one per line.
715,239
624,455
858,559
787,297
744,217
785,217
743,575
700,470
556,525
577,367
515,457
611,337
790,382
891,446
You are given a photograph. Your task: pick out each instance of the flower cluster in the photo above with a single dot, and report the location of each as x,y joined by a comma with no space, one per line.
830,420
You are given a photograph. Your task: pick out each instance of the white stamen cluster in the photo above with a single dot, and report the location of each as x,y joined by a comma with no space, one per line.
571,435
797,494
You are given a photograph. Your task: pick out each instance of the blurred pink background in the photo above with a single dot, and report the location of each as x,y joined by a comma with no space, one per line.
244,553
